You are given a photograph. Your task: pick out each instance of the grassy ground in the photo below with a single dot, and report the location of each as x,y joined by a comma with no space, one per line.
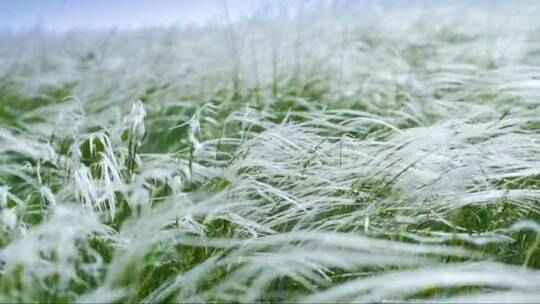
317,158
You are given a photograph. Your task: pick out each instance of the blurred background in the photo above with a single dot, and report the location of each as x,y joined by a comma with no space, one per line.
63,15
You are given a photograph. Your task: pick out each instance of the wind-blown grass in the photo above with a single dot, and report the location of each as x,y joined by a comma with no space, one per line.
316,157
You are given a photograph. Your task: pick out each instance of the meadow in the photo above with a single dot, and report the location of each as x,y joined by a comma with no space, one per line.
327,156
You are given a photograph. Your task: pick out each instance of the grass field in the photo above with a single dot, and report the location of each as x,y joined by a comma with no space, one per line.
329,156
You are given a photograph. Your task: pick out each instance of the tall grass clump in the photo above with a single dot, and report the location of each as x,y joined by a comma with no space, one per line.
333,152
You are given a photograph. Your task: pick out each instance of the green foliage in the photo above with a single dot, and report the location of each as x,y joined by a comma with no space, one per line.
345,161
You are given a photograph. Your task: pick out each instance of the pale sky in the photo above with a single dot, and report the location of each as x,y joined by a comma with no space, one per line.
60,15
